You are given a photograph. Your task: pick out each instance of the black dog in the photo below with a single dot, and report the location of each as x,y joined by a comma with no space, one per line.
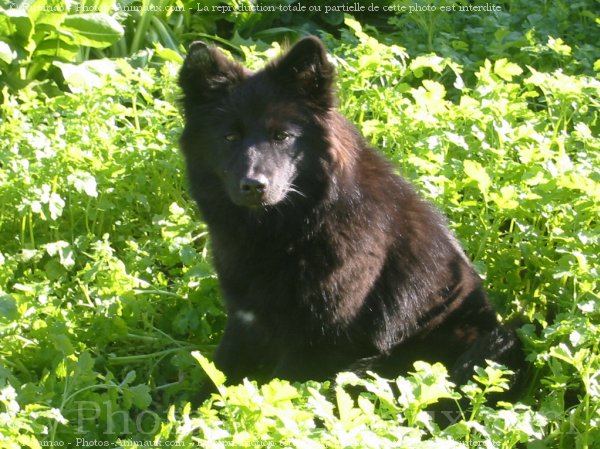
328,261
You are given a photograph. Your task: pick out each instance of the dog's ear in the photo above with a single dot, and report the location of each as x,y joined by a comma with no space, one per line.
306,69
208,73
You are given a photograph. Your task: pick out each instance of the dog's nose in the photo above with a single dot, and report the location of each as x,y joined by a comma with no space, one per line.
254,186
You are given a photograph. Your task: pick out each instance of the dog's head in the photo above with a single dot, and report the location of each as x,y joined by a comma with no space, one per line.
257,133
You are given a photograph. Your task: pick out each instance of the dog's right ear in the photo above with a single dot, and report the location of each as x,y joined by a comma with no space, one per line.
207,73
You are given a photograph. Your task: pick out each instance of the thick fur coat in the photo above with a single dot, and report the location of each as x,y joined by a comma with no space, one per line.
328,261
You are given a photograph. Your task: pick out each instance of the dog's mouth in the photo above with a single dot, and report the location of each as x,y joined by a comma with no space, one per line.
256,200
252,203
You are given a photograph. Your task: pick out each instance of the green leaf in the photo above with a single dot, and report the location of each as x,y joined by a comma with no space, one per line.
56,49
85,366
63,344
16,23
89,74
92,30
64,251
6,53
559,46
433,62
8,308
54,270
140,396
216,376
82,181
506,70
345,405
279,391
475,171
168,55
130,377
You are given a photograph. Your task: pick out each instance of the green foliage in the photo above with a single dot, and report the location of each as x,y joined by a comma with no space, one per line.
543,34
34,34
365,413
94,236
108,301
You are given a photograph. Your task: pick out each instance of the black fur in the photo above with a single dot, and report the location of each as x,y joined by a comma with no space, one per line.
328,261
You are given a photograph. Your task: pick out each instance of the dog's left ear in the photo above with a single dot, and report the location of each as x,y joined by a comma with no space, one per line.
305,68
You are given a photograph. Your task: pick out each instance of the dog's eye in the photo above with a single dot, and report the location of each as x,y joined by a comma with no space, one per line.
280,136
231,137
